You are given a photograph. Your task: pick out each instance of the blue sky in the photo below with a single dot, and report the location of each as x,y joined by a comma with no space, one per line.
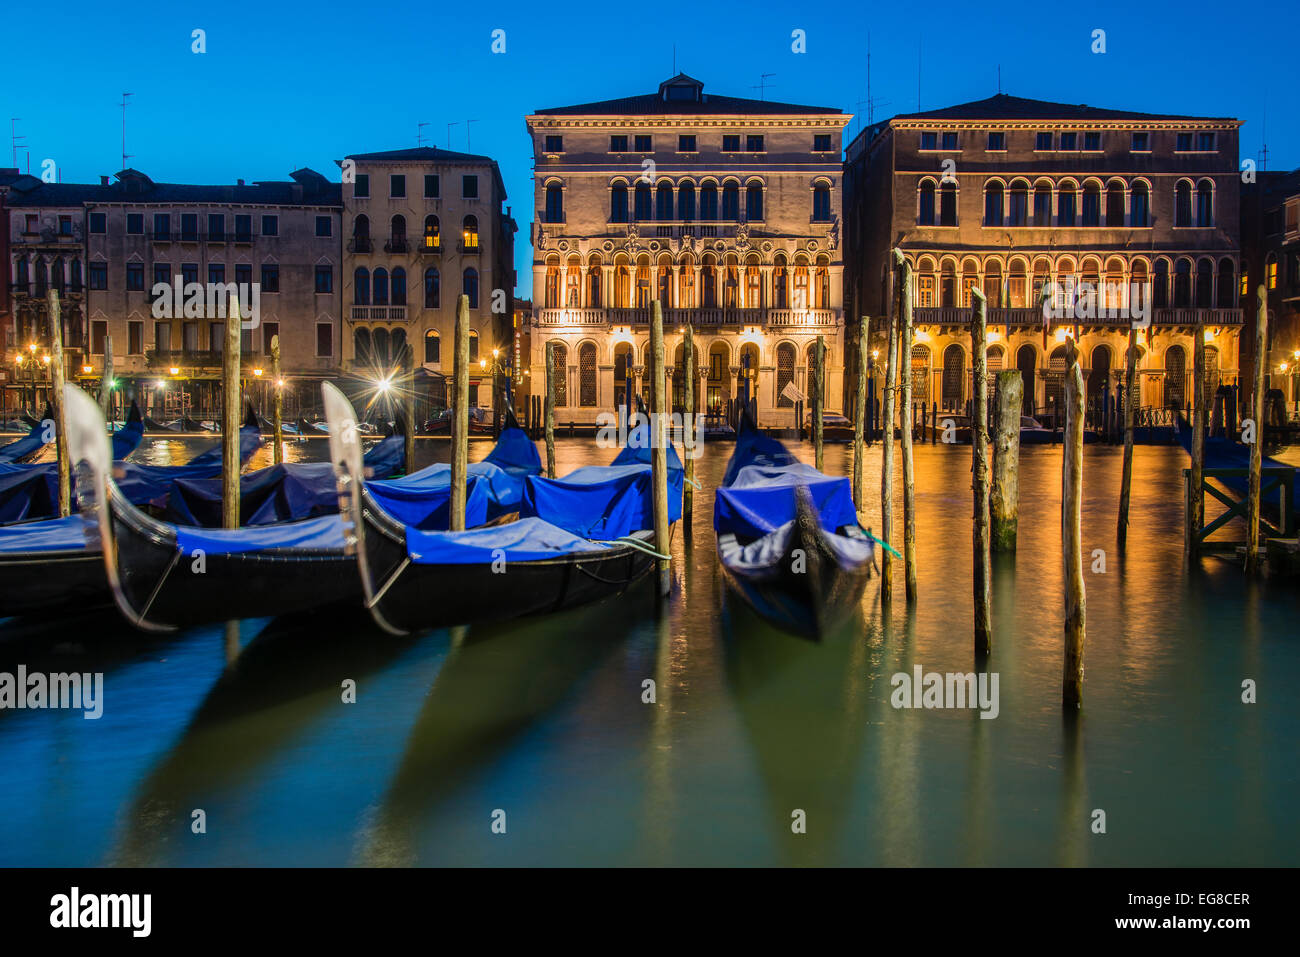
287,85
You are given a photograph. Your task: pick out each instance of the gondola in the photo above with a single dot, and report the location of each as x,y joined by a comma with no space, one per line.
788,537
578,540
23,450
127,439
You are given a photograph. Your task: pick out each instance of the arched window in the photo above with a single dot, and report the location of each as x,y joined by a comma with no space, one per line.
1115,205
473,345
1160,285
398,283
993,204
686,286
42,277
618,203
954,378
554,203
1141,213
622,287
643,202
361,346
1183,284
432,239
1204,284
1227,288
1042,273
469,286
1175,377
1026,361
1183,203
399,234
731,202
784,373
76,275
361,234
822,203
1042,204
1091,205
593,285
686,202
361,286
663,209
552,299
665,285
432,348
753,287
708,286
573,284
1205,203
469,233
948,204
708,202
993,284
381,287
1066,200
754,203
801,300
1099,374
1018,204
56,275
925,203
921,374
379,351
1017,285
560,367
780,286
948,284
587,374
432,289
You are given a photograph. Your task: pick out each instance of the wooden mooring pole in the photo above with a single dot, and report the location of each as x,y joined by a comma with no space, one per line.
277,403
1256,447
1004,496
659,445
909,476
860,412
1126,478
1194,499
60,419
980,475
549,414
460,417
106,382
887,452
230,418
819,385
408,411
1072,534
688,424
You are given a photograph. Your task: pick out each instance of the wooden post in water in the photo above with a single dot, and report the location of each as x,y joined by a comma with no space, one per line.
1004,497
860,412
1072,533
1126,479
1195,493
106,382
1256,447
460,416
688,421
887,452
277,403
909,477
980,474
408,409
819,386
230,418
60,419
659,444
549,414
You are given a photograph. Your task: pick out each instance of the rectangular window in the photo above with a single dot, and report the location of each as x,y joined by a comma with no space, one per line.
216,273
397,186
469,187
1069,141
554,144
270,277
98,222
243,275
950,140
269,331
361,186
754,143
1043,142
324,226
731,143
270,225
1184,143
686,143
618,144
98,333
243,228
189,273
1141,143
644,143
431,185
135,338
190,227
1092,141
162,225
324,340
324,279
97,275
31,224
216,227
216,337
190,336
997,141
162,336
1205,142
929,141
162,274
65,225
134,224
822,143
135,277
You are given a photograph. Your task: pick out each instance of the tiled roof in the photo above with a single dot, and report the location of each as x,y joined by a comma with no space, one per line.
421,154
706,104
310,189
1004,106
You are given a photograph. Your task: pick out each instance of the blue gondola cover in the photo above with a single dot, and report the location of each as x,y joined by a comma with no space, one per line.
601,502
761,499
529,539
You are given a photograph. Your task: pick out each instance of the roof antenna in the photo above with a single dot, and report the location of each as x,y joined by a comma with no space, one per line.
125,154
1263,146
918,76
999,79
14,137
762,85
419,134
674,59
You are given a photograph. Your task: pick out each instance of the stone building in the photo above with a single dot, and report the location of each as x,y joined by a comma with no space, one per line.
424,226
726,210
1270,239
1009,195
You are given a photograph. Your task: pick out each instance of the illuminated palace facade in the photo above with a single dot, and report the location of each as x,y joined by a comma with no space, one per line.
1008,195
726,210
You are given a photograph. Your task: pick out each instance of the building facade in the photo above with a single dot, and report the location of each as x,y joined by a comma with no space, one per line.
726,210
1270,236
424,226
1015,196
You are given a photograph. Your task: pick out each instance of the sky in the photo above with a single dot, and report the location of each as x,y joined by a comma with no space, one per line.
278,89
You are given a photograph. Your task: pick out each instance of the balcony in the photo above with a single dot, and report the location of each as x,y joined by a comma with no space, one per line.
50,237
160,238
428,250
471,249
701,318
361,244
397,244
183,359
243,239
1033,316
378,313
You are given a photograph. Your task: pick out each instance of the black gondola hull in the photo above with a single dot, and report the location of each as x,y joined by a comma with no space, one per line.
33,582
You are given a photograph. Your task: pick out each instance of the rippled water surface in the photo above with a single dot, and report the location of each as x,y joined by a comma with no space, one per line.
545,721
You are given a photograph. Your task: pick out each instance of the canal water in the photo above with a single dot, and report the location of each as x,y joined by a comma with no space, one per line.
543,726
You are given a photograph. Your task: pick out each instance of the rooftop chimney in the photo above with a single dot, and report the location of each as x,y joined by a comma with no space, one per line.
103,181
239,182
